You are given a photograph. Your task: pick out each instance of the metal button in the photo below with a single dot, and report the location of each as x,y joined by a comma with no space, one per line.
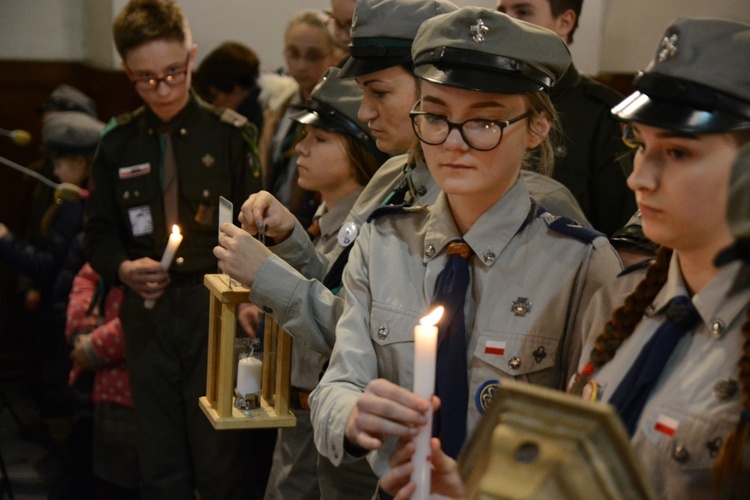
183,131
206,193
179,261
717,327
489,257
267,310
649,311
514,363
680,454
521,306
421,190
430,251
136,194
126,195
725,389
383,332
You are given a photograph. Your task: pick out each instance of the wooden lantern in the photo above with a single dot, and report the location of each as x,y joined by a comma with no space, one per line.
217,404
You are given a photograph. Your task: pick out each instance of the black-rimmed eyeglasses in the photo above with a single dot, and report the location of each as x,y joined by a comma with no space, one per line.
479,134
173,77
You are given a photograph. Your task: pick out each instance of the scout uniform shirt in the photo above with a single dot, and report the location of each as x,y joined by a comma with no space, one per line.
696,401
215,155
528,282
283,292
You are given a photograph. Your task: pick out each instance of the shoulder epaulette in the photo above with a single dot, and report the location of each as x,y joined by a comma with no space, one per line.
390,209
120,120
569,227
231,117
635,267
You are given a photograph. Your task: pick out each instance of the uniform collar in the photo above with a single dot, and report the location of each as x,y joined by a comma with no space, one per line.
178,124
720,301
489,235
331,218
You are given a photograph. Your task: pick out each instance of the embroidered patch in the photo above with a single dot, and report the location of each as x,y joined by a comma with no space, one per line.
141,222
496,347
485,394
666,425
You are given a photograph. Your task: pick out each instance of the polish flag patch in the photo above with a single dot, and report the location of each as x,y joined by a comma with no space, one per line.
666,425
496,347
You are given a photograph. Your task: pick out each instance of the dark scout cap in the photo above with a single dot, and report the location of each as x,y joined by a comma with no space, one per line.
67,98
70,133
383,31
487,51
333,105
698,81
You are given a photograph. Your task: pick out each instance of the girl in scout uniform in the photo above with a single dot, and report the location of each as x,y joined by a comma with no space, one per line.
483,107
688,413
336,158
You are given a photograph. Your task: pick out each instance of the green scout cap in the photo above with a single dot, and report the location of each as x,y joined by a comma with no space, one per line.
698,80
70,133
67,98
383,31
333,105
487,51
738,206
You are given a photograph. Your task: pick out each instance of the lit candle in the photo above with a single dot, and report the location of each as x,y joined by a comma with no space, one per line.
249,373
425,351
166,259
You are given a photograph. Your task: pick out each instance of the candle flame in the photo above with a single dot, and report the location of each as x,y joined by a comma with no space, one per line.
175,229
433,317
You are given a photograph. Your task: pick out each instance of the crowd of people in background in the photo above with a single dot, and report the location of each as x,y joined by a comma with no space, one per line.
409,154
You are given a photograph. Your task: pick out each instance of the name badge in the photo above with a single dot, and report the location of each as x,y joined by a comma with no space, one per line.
141,222
134,170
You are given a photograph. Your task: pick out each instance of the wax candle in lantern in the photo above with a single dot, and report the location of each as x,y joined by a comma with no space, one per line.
166,259
249,373
425,352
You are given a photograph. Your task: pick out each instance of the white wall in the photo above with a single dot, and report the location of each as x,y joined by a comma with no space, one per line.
613,36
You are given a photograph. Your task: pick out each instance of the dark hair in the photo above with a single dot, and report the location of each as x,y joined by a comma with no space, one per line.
228,65
542,158
559,6
143,21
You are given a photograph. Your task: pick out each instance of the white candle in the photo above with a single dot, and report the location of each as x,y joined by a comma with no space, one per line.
166,259
425,352
249,373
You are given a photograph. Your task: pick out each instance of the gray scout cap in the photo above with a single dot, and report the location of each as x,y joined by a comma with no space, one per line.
333,105
487,51
738,206
383,31
70,133
698,81
67,98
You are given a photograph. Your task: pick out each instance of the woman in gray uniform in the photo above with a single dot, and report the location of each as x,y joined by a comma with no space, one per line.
674,356
484,107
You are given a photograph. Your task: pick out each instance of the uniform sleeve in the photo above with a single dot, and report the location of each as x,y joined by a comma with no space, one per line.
353,362
43,263
303,307
300,253
104,243
601,268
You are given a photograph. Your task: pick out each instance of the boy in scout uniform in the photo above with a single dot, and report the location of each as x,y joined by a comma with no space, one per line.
512,277
165,164
590,156
668,345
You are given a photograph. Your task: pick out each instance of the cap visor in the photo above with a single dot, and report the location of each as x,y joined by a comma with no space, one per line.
675,115
362,66
477,80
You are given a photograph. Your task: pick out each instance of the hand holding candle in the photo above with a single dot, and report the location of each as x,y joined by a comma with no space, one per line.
425,352
166,260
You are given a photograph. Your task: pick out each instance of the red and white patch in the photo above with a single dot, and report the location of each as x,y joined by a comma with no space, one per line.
666,425
134,171
496,347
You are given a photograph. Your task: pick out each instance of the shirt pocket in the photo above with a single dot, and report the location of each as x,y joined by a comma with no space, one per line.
135,192
392,336
202,197
516,355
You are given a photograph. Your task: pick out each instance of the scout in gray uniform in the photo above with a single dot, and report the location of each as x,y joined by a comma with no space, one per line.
206,152
336,157
688,415
381,62
483,108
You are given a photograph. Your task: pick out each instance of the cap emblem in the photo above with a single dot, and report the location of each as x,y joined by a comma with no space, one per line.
479,31
668,48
